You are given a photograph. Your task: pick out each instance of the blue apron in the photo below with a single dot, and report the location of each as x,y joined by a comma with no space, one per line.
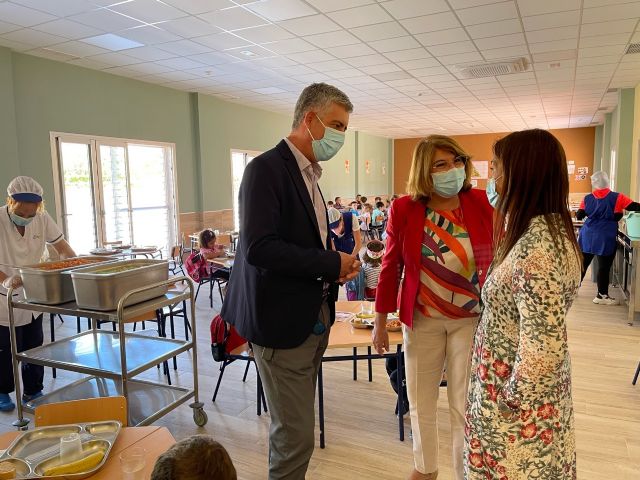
598,234
346,243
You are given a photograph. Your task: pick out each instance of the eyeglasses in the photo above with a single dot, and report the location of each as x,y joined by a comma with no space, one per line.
443,165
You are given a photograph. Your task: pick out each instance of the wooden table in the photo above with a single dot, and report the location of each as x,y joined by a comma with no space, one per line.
344,335
155,440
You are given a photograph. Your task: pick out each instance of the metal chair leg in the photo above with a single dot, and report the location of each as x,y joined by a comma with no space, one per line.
222,367
635,377
355,363
246,370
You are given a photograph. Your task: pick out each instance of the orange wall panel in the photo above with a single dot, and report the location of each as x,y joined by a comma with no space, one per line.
578,144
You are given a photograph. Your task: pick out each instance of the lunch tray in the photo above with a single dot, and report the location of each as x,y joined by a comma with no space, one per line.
34,450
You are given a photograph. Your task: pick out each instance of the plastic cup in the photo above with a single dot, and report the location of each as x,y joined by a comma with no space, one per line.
70,448
367,308
132,463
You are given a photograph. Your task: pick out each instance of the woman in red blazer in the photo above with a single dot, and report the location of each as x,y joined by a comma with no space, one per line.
439,248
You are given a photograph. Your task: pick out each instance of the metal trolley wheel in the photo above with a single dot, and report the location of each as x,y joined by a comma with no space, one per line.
200,417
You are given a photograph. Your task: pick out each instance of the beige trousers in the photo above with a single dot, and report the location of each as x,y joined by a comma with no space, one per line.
432,344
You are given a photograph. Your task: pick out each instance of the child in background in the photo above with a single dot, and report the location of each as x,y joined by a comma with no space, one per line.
365,221
198,457
371,265
209,249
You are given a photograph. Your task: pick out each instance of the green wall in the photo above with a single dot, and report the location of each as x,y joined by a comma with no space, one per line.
377,151
39,96
9,167
597,148
616,135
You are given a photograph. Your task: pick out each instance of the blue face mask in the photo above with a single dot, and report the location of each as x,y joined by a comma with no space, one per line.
325,148
20,221
448,184
492,195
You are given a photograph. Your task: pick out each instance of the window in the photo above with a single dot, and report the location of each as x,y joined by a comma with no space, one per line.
612,171
110,190
239,160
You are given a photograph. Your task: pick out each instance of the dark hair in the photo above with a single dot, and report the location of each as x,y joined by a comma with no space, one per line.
337,198
535,182
198,457
353,203
379,204
329,202
205,236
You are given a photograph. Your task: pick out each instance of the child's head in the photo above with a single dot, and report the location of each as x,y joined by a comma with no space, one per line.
373,253
198,457
207,238
368,207
379,205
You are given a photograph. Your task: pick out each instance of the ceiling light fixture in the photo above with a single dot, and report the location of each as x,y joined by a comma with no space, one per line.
247,53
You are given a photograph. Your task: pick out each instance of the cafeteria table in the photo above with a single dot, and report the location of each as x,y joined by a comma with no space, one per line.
343,335
224,262
155,440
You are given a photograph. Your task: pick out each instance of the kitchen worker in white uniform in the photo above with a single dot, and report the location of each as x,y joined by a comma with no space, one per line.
25,229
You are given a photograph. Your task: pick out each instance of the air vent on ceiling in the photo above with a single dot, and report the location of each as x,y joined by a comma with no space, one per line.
493,69
612,90
602,108
633,48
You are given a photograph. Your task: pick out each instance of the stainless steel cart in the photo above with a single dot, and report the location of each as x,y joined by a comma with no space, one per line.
111,360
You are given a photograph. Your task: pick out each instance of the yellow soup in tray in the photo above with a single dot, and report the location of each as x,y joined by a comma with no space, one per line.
117,269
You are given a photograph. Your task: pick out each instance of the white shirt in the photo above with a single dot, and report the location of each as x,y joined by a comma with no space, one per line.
311,173
18,250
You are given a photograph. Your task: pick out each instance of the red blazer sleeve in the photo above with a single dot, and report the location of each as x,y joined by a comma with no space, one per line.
392,262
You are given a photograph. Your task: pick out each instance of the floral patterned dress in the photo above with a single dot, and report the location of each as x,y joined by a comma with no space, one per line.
519,418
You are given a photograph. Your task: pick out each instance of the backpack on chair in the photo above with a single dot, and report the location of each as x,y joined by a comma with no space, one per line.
224,338
196,266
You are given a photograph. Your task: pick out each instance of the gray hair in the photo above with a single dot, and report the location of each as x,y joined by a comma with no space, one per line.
319,96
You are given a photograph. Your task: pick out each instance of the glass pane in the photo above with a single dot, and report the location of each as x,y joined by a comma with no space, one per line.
114,193
150,196
78,196
239,161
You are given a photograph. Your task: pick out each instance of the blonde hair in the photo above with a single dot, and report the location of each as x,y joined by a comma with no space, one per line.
420,184
12,203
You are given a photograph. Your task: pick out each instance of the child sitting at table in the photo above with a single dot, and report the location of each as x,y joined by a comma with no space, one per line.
198,457
209,250
371,257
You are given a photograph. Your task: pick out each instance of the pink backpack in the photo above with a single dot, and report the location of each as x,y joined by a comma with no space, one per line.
196,266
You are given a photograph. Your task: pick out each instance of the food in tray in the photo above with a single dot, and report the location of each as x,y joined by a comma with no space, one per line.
85,464
7,471
394,325
74,262
117,268
365,315
361,323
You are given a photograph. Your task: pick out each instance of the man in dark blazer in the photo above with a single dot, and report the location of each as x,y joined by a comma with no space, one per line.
282,292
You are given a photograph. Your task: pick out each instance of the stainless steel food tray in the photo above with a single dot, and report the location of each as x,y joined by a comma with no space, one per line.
52,287
102,291
35,450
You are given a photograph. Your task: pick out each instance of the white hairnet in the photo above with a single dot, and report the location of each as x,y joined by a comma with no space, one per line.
599,180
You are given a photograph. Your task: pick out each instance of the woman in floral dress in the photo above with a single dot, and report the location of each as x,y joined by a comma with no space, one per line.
519,419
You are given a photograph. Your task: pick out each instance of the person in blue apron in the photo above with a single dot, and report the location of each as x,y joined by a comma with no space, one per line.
603,210
345,231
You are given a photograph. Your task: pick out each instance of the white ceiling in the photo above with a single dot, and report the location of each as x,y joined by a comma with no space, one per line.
394,58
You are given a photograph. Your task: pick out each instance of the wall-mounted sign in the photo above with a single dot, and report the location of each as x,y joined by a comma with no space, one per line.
367,167
384,169
583,170
346,167
480,169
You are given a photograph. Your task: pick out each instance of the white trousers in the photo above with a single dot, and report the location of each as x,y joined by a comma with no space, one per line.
432,344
